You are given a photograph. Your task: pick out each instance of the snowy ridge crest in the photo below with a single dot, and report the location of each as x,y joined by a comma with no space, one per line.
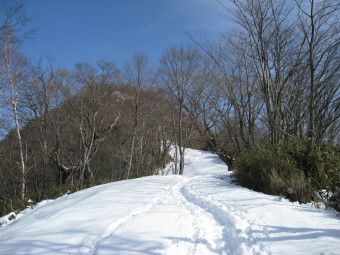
199,213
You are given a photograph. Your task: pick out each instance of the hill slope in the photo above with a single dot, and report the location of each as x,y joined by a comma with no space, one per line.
201,212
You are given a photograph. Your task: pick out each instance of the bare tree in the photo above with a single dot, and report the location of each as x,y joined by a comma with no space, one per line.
273,45
226,99
13,73
319,24
138,74
96,120
43,95
14,79
178,69
13,25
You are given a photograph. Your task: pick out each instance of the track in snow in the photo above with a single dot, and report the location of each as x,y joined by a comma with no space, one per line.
237,228
199,213
206,226
203,234
91,245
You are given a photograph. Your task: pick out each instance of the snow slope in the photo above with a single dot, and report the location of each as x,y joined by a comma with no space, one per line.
201,212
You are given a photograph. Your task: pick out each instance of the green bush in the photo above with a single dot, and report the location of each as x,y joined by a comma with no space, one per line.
296,170
319,161
11,205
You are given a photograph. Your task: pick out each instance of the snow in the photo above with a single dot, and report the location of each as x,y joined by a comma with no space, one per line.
201,212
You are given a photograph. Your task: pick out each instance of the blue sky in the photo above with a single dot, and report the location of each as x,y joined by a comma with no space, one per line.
87,30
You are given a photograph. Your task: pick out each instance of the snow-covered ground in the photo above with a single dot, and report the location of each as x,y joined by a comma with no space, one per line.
201,212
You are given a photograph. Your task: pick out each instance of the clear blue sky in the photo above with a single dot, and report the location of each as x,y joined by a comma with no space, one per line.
87,30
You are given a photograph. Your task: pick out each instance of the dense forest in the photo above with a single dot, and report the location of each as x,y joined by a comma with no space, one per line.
265,97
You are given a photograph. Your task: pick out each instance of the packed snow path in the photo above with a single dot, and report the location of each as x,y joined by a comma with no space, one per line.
201,212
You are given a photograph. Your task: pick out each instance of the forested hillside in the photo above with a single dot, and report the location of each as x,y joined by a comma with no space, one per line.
265,97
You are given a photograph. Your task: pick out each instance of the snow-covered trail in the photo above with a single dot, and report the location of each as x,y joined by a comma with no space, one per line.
201,212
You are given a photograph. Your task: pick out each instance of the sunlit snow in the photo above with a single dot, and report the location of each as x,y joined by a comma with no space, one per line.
202,212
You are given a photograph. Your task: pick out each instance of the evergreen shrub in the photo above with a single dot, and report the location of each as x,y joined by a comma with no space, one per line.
298,170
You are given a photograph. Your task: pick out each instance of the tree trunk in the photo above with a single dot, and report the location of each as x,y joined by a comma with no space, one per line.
128,170
21,151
